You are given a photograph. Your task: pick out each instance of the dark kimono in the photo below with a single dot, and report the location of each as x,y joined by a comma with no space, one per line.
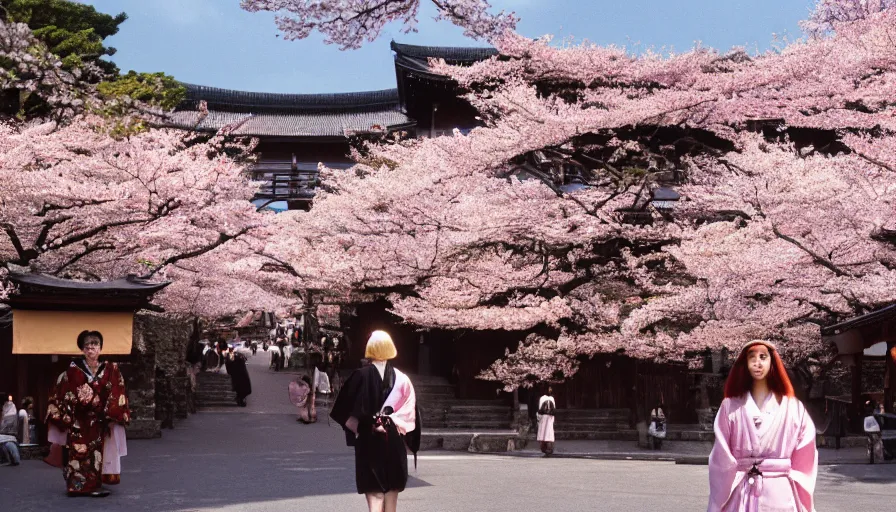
87,405
239,376
381,461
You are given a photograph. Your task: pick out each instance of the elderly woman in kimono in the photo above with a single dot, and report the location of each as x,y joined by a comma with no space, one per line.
377,408
87,415
764,456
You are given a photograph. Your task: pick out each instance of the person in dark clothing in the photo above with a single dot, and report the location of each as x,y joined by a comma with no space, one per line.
377,409
235,364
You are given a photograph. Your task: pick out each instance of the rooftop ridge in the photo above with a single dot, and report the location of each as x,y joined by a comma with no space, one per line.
232,99
449,53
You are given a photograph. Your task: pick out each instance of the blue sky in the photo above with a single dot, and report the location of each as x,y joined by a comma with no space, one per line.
214,42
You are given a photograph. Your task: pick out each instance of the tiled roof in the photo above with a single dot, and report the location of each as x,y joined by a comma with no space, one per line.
449,53
230,100
128,284
415,59
293,125
290,115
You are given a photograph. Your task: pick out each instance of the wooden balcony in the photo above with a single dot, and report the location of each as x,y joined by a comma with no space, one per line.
293,182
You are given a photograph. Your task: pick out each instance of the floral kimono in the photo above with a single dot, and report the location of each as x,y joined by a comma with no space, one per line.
93,410
763,459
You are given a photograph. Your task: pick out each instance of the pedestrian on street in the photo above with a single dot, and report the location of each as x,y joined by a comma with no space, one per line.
91,408
235,364
377,408
764,457
656,432
546,408
301,394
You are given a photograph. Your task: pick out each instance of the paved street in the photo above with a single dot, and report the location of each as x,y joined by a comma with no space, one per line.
261,459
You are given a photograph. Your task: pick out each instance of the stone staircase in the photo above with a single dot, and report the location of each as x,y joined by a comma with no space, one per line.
214,390
593,424
462,425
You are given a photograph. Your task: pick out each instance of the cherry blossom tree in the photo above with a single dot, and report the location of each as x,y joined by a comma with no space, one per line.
351,23
541,220
828,13
78,203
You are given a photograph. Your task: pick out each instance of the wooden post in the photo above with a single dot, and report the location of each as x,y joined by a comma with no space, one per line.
311,327
516,406
856,405
890,383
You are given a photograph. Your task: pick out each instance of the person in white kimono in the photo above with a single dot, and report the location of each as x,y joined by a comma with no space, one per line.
546,408
764,457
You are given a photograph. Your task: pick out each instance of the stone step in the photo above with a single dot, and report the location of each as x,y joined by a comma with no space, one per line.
221,396
216,403
597,435
558,422
503,409
505,416
200,389
476,424
475,440
437,389
220,392
463,402
425,380
209,376
592,413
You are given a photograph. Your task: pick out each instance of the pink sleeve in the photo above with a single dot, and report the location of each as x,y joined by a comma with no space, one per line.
722,464
804,461
405,415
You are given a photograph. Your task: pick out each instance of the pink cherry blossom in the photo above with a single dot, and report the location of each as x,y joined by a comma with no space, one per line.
351,23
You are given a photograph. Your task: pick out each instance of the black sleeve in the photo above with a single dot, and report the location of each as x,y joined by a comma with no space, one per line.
346,404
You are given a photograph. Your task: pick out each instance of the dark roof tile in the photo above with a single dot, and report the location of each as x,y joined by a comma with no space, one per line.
449,53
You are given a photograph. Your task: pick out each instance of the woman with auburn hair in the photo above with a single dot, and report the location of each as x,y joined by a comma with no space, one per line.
764,457
377,408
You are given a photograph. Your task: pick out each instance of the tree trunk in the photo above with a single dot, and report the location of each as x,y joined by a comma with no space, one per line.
311,325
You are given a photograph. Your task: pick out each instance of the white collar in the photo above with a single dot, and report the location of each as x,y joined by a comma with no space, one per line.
771,405
381,367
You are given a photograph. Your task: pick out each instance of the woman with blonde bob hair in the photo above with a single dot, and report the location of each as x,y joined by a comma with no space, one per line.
764,457
377,408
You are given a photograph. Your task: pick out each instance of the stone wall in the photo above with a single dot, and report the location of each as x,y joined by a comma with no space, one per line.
157,377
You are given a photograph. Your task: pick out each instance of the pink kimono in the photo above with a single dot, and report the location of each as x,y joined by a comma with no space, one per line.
781,448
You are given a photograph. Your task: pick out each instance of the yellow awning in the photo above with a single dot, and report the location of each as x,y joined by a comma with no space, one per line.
56,332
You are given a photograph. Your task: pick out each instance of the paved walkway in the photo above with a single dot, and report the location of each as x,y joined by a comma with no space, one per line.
683,452
259,459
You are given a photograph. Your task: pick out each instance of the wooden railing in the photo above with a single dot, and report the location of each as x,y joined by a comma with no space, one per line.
287,181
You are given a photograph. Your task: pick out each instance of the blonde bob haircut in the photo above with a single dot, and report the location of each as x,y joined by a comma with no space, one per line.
380,347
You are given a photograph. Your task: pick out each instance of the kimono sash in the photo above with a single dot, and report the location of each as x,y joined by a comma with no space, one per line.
768,468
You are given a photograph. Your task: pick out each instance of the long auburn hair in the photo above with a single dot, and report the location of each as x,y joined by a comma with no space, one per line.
740,381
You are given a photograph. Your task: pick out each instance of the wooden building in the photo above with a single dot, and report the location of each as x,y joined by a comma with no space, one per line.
38,331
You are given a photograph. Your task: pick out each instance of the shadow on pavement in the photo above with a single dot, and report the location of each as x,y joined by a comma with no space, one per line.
256,455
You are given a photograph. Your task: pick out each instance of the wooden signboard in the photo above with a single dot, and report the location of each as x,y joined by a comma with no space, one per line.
56,332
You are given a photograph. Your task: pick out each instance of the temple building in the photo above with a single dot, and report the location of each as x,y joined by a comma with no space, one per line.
298,131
